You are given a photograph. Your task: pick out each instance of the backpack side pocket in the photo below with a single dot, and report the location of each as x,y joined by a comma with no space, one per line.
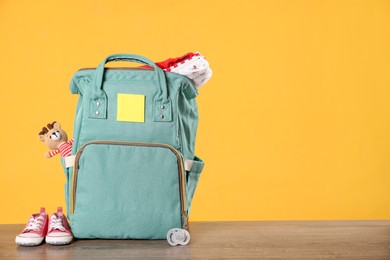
192,179
67,172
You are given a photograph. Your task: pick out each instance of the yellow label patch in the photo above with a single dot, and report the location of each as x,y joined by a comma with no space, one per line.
131,108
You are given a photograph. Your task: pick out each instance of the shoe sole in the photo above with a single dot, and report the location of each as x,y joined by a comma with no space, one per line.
28,241
59,240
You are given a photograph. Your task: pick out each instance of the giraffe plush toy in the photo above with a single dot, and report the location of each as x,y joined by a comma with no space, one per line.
56,140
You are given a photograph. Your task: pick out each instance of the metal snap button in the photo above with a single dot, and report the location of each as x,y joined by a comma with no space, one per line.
162,107
162,116
97,113
98,103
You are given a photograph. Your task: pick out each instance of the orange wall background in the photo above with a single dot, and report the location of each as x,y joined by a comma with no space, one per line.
293,125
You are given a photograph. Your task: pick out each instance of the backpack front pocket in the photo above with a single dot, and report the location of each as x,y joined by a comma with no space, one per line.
127,190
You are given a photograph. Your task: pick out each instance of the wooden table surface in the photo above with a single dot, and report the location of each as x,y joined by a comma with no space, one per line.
367,240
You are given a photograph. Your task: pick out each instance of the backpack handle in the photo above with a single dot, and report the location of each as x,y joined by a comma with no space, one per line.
163,93
98,101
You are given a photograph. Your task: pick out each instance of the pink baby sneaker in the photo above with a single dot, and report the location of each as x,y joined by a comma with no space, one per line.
59,232
34,231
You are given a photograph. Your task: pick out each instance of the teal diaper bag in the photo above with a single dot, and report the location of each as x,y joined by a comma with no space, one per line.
133,169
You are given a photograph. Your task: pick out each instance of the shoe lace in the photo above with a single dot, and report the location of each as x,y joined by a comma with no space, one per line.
56,223
34,224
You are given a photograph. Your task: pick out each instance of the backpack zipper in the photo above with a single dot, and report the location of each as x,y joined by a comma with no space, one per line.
118,68
183,202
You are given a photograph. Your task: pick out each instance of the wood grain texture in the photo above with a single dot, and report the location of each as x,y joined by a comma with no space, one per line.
367,240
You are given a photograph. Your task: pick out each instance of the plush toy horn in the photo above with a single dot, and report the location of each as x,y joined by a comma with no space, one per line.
50,126
44,131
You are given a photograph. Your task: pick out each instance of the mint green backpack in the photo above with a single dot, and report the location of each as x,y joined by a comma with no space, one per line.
133,170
